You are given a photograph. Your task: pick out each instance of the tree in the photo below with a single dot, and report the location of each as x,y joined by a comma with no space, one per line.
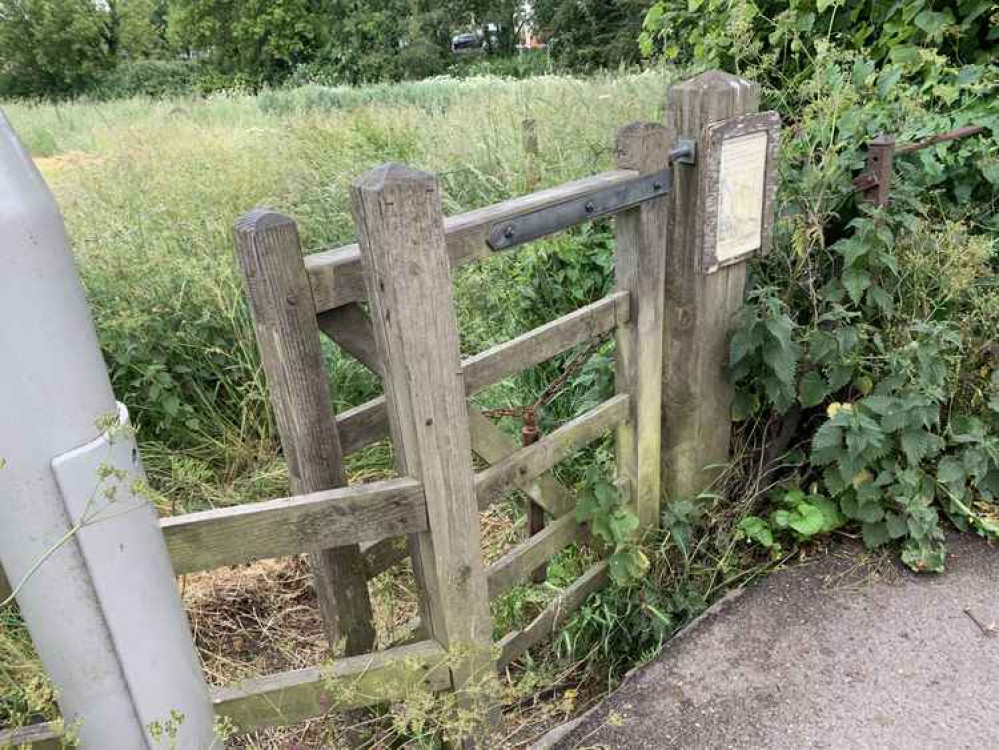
588,34
51,48
263,39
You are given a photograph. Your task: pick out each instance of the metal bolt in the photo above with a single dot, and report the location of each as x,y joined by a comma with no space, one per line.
590,208
657,185
509,231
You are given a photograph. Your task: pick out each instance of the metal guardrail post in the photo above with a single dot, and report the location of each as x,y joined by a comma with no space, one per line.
82,547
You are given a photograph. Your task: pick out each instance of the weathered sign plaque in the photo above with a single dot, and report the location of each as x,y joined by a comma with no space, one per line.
739,167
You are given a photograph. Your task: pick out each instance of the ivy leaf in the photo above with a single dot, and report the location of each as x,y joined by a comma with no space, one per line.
812,389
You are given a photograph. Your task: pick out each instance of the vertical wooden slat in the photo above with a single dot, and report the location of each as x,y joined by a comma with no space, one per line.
700,308
284,318
640,265
408,277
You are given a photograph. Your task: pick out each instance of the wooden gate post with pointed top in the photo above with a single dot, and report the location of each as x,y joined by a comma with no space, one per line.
400,229
284,318
700,306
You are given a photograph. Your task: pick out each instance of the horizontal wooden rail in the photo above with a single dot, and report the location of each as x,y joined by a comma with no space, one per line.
516,565
534,460
493,444
363,425
338,279
368,423
46,736
544,342
288,526
354,682
557,612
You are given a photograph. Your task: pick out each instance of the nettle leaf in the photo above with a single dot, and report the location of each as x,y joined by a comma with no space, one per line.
856,281
878,297
812,390
950,471
827,444
918,444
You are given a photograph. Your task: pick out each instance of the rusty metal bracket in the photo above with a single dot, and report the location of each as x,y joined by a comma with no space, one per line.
512,232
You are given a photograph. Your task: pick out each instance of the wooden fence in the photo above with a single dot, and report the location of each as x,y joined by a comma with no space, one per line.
402,267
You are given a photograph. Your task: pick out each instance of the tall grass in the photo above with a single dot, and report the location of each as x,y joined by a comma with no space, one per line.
150,191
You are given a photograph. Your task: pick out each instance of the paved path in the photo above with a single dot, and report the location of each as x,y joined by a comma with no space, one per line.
832,654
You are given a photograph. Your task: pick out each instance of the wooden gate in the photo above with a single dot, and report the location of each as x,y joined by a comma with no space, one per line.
403,267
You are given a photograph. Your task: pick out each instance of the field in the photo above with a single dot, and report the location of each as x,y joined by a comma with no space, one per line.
150,191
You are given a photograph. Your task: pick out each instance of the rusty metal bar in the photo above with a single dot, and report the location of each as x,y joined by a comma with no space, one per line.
875,181
951,135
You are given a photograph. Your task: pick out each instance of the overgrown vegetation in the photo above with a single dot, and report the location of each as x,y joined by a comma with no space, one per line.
865,358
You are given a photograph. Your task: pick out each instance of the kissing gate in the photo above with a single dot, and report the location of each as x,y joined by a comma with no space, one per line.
691,202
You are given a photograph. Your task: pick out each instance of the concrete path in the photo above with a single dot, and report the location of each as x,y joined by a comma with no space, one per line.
847,652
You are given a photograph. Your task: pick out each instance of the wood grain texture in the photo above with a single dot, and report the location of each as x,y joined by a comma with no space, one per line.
284,318
532,461
493,445
544,342
639,270
400,226
699,308
45,736
354,682
368,423
286,526
382,555
516,566
337,277
350,328
557,612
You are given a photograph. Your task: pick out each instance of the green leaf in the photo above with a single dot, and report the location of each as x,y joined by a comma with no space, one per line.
896,525
812,389
875,534
856,281
757,530
918,444
807,520
950,471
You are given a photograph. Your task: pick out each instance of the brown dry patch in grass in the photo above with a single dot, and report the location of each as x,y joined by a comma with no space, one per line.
262,618
57,163
255,619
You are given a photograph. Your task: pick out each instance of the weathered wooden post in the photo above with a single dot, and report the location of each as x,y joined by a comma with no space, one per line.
400,229
721,213
284,316
639,269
